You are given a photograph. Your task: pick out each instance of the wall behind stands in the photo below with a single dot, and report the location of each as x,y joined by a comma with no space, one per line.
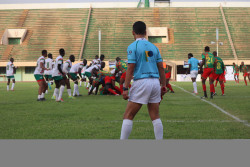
121,5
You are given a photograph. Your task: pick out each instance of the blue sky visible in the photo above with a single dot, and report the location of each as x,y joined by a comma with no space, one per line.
80,1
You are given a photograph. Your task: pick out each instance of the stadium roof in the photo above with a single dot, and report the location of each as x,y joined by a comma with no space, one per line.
84,1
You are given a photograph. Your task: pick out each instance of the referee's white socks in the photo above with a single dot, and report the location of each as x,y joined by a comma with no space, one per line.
158,129
126,128
195,87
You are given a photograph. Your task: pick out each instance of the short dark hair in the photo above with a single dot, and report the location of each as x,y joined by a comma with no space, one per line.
118,59
96,56
139,28
215,53
11,59
102,56
50,55
207,49
61,51
44,52
190,54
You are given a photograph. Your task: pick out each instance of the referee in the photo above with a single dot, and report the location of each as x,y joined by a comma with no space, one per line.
145,65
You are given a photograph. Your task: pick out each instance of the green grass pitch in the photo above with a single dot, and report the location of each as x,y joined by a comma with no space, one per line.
100,117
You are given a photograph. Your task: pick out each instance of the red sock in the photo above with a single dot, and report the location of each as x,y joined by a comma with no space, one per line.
222,88
129,86
170,87
245,82
117,89
204,87
111,91
216,83
212,88
121,88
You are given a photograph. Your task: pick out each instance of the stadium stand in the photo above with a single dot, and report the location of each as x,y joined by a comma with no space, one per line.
51,30
192,31
238,20
189,30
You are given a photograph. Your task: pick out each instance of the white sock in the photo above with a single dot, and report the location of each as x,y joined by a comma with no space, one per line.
56,92
88,85
8,88
75,87
77,90
126,128
85,83
94,89
69,92
39,97
12,87
195,87
80,83
47,92
60,93
90,88
158,129
42,95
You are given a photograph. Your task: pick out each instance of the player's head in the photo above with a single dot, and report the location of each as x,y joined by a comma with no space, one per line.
215,54
118,59
85,62
190,55
102,64
50,56
207,49
139,28
96,57
102,57
44,53
233,63
72,58
242,63
62,52
11,60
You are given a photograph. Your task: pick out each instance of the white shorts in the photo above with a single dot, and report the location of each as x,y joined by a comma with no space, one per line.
193,74
144,91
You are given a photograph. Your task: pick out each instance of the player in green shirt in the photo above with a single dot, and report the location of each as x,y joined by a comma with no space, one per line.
244,69
208,61
219,72
236,72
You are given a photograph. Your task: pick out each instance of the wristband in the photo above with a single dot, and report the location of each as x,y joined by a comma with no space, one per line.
125,89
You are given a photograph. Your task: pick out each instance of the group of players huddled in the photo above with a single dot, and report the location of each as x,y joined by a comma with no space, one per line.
59,72
62,72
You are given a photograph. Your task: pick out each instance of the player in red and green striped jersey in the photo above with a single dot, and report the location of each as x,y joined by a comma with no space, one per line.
209,67
219,72
167,71
121,66
236,70
244,69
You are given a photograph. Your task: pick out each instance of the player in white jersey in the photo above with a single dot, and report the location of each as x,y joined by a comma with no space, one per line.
58,76
38,73
48,73
66,68
77,69
10,71
83,76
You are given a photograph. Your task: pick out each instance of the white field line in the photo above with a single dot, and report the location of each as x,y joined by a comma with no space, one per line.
181,121
215,106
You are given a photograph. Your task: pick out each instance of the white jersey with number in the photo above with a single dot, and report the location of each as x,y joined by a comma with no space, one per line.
39,69
67,66
90,69
10,69
49,66
84,69
59,60
75,68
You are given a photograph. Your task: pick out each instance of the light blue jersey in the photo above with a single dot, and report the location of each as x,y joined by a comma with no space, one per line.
145,55
194,64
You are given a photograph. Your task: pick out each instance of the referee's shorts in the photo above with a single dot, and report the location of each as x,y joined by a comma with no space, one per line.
146,90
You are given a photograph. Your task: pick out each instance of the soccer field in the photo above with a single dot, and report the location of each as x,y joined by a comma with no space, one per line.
184,115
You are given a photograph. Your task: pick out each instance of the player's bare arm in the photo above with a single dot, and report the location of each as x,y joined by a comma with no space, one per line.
162,78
